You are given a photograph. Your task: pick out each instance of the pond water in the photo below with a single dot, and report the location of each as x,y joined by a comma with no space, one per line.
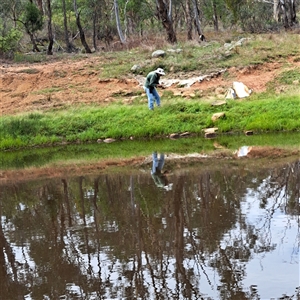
218,230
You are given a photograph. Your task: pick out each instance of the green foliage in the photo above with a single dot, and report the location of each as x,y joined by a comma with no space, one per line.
58,19
257,18
32,18
9,40
220,9
234,7
141,16
138,19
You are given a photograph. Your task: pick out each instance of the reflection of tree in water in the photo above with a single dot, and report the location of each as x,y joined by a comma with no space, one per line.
115,235
10,286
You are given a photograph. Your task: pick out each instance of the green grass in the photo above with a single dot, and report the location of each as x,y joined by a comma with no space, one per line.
53,89
29,58
89,123
29,71
202,58
193,57
289,77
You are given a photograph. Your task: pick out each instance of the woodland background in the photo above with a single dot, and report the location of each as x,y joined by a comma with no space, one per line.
99,25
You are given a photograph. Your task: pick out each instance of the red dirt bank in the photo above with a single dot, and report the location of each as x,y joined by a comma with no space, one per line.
38,87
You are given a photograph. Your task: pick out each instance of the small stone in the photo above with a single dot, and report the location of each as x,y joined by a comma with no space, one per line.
210,130
158,53
174,136
217,116
135,68
185,134
109,140
218,103
220,91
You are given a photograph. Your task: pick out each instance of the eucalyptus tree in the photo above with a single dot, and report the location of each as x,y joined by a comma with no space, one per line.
192,15
26,13
32,19
234,7
285,11
136,16
165,15
80,28
64,24
49,24
134,12
215,16
214,12
188,19
120,31
196,17
97,9
9,33
9,10
29,15
69,45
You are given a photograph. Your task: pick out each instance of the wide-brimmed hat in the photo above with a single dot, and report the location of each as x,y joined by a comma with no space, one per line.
160,71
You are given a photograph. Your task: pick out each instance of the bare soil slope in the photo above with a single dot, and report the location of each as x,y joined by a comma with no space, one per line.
32,87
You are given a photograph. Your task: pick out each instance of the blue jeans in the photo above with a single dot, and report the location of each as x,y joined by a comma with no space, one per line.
152,97
157,163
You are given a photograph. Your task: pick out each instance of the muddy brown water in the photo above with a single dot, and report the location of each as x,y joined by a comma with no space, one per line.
220,230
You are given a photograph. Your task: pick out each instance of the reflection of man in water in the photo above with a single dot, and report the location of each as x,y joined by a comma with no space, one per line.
159,178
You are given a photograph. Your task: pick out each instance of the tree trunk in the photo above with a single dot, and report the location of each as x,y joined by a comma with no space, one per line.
126,21
293,16
215,16
66,31
34,45
40,5
50,33
196,16
170,10
188,20
94,29
121,36
166,21
81,32
284,12
276,10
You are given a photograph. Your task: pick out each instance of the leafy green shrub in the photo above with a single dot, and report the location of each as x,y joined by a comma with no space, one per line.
257,18
9,41
32,18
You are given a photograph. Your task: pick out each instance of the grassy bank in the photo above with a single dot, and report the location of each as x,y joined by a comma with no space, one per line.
271,111
84,124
